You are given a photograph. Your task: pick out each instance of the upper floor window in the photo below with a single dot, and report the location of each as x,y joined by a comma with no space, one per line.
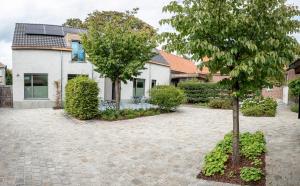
78,53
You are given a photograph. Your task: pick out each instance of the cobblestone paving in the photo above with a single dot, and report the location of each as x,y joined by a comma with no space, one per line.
43,147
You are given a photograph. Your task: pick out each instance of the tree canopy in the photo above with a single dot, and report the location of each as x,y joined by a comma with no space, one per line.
74,23
249,40
119,45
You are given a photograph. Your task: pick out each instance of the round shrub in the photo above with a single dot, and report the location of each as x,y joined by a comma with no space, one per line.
167,97
259,107
82,98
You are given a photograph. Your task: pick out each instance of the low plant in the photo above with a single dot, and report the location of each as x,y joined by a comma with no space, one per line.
112,114
252,145
259,106
219,103
256,162
248,174
215,162
295,108
167,98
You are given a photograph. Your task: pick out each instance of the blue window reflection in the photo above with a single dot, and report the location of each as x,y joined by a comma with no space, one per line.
78,53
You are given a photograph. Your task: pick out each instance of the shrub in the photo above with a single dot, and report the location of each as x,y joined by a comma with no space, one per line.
219,103
199,92
251,174
166,97
259,106
295,108
82,98
295,87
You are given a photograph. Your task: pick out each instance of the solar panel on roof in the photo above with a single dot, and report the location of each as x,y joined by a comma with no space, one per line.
34,29
54,30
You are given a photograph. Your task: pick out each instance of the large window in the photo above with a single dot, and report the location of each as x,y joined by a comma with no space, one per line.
78,53
35,86
138,87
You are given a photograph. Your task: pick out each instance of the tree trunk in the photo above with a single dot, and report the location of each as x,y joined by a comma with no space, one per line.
118,93
299,107
236,131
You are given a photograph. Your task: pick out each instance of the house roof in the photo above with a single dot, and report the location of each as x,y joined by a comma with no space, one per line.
2,65
182,65
295,65
26,36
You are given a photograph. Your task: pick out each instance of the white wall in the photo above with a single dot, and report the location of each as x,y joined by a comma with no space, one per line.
49,62
152,72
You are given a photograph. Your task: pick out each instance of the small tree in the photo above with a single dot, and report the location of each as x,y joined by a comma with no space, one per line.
295,90
119,47
249,41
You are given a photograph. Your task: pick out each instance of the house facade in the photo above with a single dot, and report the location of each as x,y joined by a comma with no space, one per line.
2,74
45,57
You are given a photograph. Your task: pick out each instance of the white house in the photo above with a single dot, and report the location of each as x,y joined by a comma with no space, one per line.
45,54
2,74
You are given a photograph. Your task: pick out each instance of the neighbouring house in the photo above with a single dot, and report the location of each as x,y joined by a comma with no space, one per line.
2,74
44,54
183,69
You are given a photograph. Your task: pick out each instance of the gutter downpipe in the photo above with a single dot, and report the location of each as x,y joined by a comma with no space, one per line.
61,78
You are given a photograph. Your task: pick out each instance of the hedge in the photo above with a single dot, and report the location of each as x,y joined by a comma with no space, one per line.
199,92
82,98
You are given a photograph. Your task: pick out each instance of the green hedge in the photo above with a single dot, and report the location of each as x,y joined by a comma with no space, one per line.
199,92
218,103
167,98
82,98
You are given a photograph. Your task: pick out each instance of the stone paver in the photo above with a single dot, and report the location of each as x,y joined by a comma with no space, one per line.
43,147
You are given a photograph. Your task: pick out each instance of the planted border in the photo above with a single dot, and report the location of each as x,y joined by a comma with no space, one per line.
217,163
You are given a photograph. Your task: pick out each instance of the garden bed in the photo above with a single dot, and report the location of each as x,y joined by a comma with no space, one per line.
232,175
251,170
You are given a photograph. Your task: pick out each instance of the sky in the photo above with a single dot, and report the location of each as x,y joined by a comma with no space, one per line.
57,11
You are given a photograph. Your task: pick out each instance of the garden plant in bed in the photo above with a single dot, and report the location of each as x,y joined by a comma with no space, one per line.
251,170
259,106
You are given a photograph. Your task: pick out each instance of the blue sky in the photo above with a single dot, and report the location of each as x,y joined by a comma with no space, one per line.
57,11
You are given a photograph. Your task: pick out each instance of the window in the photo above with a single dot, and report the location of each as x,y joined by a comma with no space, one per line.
78,53
71,76
153,83
138,87
35,86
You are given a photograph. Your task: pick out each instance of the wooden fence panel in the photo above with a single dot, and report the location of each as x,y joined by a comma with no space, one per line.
6,98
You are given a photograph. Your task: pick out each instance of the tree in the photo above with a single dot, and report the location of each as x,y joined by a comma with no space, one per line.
248,40
8,77
118,46
295,90
74,23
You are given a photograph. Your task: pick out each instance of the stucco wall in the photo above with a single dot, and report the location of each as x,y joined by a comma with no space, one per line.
48,62
151,72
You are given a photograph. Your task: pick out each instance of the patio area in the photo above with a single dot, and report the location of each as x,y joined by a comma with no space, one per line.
44,147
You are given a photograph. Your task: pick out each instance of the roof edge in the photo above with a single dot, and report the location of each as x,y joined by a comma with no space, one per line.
40,48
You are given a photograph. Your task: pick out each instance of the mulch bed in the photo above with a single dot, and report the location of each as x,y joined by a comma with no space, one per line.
236,178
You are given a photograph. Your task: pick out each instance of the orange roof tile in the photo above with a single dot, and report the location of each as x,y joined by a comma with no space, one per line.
179,64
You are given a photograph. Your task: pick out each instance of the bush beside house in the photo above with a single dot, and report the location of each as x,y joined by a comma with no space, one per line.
166,97
199,92
259,106
82,98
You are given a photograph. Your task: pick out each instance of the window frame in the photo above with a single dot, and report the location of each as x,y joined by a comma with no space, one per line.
135,86
74,60
32,91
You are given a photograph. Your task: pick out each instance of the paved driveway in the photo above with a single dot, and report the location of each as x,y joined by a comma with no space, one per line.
43,147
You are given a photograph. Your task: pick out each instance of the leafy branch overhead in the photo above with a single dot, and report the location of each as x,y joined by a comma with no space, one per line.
248,40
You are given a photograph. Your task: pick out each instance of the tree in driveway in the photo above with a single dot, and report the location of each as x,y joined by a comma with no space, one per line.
248,40
118,44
